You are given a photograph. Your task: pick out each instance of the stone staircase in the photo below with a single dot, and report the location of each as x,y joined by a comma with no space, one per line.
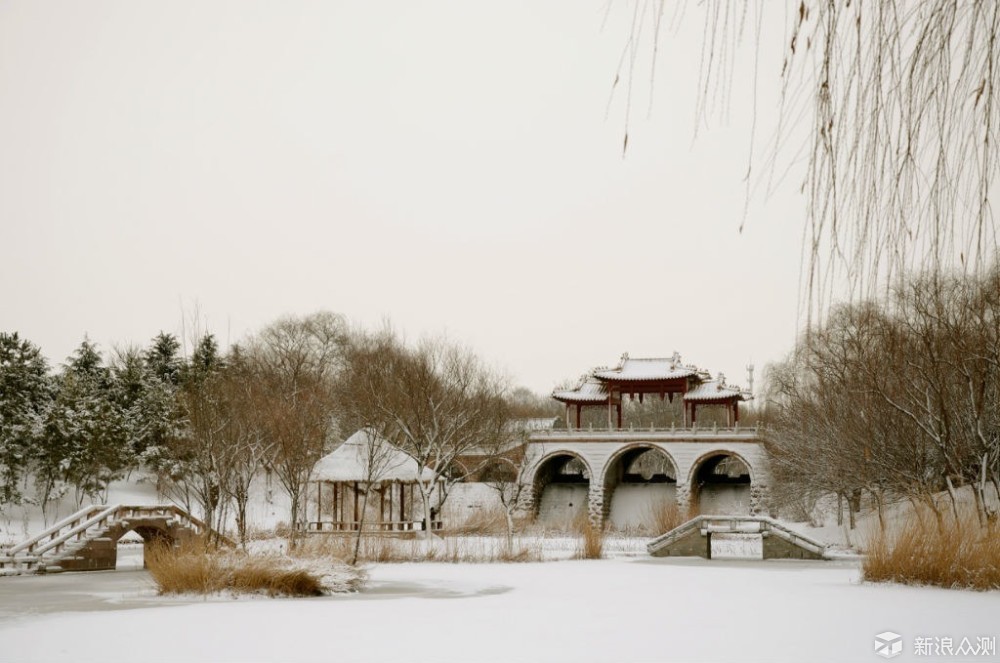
88,539
694,538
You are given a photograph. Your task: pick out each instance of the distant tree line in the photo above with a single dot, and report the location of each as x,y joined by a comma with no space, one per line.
208,424
895,398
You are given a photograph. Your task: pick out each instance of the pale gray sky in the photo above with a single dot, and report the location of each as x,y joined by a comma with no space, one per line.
447,165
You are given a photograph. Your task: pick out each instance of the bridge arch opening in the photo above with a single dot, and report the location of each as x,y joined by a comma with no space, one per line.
561,488
640,489
720,484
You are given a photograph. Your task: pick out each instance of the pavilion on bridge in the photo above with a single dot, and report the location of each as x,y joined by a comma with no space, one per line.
641,377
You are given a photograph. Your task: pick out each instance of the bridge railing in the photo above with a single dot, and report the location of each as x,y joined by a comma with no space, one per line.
78,531
53,530
678,431
708,523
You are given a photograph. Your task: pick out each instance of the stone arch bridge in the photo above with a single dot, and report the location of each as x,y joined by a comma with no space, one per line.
689,462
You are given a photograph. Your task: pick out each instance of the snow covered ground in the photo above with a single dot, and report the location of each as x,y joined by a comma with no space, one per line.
628,608
623,609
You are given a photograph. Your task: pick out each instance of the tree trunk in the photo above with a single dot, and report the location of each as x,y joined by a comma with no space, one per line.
954,499
361,523
878,506
294,512
425,498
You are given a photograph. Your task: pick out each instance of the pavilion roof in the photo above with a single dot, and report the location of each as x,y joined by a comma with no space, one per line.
350,462
716,390
647,370
589,390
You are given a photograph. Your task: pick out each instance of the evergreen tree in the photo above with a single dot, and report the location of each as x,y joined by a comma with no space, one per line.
87,442
163,358
25,394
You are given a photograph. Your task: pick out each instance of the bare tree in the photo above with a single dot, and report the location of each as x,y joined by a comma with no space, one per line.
435,401
506,474
247,446
895,397
296,362
374,456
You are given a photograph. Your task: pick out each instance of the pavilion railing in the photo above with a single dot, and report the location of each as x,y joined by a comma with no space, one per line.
331,526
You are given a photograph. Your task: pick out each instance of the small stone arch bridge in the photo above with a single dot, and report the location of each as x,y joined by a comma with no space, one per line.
693,466
88,540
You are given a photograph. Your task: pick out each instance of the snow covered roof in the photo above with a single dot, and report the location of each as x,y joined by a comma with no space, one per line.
645,369
349,462
588,391
715,390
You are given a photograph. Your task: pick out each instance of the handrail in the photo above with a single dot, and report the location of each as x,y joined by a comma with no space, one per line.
765,524
55,537
82,527
53,529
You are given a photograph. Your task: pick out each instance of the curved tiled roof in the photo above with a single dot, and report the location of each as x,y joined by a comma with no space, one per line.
646,369
715,390
588,391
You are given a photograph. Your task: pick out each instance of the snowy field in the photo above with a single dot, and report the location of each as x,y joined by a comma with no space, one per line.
624,609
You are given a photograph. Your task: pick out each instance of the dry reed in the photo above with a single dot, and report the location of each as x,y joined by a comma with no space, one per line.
193,568
591,544
955,554
390,550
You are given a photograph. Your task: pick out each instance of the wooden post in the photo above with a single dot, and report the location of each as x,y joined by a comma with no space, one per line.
569,426
736,413
578,415
336,504
694,414
392,518
355,521
319,505
381,505
619,408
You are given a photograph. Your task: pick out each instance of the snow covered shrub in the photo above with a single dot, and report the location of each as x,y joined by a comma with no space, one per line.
962,554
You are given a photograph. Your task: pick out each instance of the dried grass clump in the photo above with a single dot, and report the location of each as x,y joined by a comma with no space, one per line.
961,555
452,550
664,516
591,545
481,522
196,569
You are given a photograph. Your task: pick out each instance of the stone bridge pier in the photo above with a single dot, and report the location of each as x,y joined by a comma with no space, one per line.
707,470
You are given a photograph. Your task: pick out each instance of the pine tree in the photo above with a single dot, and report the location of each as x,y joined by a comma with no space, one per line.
25,395
86,436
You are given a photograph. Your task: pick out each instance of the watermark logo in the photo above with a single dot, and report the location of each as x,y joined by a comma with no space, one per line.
946,646
888,644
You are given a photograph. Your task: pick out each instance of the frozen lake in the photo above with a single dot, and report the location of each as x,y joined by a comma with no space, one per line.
625,609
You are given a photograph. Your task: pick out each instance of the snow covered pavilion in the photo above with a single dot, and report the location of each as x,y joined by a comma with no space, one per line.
340,479
663,377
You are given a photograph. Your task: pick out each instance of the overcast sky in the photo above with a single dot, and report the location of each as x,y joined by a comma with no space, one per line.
452,166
